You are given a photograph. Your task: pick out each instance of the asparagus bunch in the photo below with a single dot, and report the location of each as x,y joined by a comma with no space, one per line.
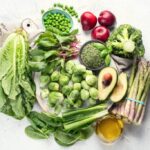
133,107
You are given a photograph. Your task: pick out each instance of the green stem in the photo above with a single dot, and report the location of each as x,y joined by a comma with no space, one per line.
132,74
139,110
130,95
78,124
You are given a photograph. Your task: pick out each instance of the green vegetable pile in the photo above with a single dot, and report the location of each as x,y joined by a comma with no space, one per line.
126,41
72,86
73,126
58,21
68,9
52,48
16,85
95,54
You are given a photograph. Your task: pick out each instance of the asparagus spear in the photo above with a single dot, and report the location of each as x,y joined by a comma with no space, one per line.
132,103
132,76
145,93
130,95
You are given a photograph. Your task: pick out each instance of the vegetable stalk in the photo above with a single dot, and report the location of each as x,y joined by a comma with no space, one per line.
78,118
132,109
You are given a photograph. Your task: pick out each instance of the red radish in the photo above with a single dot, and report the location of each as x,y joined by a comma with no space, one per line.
88,21
100,33
106,18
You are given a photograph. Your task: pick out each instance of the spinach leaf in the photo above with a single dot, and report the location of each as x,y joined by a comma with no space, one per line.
36,133
86,132
66,138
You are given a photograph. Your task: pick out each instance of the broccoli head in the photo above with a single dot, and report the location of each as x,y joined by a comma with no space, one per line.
126,41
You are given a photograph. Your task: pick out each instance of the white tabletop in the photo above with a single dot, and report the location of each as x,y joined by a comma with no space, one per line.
134,12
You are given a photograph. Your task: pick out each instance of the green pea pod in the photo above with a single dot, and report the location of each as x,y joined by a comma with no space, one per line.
107,60
99,46
104,53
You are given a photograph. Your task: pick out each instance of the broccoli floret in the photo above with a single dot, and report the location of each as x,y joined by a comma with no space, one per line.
126,41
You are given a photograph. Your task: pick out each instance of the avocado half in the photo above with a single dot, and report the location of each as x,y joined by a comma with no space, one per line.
105,91
120,89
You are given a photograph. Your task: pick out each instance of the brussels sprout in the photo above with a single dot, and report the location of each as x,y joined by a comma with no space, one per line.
66,90
91,101
55,97
74,95
53,86
88,72
63,72
63,80
70,66
77,86
93,93
78,104
44,80
55,76
68,103
76,78
44,93
84,94
85,85
91,80
79,69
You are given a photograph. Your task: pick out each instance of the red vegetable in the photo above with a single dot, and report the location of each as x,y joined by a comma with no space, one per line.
88,21
106,18
100,33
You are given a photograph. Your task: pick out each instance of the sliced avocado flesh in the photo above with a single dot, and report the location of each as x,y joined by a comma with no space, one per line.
121,88
105,91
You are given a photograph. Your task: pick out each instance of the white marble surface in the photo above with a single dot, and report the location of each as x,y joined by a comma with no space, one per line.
135,12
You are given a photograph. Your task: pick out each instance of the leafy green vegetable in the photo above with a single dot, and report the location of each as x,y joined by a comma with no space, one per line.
44,80
76,78
69,66
42,125
77,86
126,41
84,94
91,80
66,138
16,84
55,76
63,80
93,93
36,133
81,117
44,93
53,86
66,90
55,97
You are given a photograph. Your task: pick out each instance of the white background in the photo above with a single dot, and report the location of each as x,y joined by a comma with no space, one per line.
135,12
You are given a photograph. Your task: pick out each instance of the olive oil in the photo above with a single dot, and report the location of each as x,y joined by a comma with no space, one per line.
109,128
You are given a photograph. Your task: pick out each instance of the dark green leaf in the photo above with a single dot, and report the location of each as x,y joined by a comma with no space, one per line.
66,138
86,132
34,133
37,66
